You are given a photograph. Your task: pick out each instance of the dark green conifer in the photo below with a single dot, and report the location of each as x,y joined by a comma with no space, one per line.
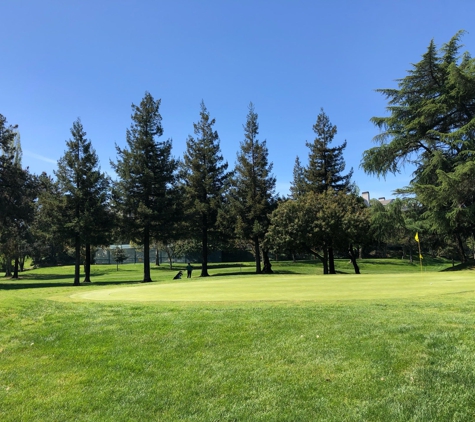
205,181
253,192
325,163
298,184
86,194
145,192
430,125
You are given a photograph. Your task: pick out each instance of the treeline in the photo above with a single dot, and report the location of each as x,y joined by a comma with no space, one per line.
198,203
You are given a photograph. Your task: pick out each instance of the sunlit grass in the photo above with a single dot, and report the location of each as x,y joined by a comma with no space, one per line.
360,356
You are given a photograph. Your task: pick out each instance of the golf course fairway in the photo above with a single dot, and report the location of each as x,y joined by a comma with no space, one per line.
319,288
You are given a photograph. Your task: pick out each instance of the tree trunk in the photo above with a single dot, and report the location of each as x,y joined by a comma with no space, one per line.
204,249
331,260
459,243
323,259
54,255
257,255
169,257
267,265
8,266
353,255
146,256
15,268
157,257
22,262
77,264
87,264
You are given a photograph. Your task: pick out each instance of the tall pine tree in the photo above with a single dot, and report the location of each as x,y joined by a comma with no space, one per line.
86,193
18,191
325,163
325,169
205,181
253,192
298,185
145,192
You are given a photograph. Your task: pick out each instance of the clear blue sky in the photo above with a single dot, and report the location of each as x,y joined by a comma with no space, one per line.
61,60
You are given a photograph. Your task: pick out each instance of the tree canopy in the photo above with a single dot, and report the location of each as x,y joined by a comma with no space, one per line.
431,125
253,189
85,190
205,180
145,194
325,163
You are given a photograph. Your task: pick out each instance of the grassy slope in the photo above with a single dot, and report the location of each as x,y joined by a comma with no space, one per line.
385,359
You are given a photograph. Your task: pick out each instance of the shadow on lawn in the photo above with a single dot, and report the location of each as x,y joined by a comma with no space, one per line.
34,282
235,273
15,285
470,265
378,263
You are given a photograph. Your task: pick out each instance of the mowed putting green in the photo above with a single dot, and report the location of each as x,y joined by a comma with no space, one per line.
319,288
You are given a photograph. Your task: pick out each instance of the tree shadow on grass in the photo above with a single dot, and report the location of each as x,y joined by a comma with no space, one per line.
112,283
17,286
36,283
27,277
470,265
233,273
382,262
253,273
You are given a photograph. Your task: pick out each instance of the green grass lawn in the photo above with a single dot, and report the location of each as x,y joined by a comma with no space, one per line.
392,344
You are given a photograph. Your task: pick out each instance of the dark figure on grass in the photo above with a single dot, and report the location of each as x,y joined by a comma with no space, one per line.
178,276
189,269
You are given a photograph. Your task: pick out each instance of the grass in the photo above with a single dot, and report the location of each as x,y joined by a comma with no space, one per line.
384,346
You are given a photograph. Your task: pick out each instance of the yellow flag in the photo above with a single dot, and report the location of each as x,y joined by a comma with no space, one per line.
417,237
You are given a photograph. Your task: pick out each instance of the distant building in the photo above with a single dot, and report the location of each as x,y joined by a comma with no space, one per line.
367,199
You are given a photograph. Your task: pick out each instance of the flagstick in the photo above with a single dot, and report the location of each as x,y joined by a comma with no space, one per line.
420,255
416,237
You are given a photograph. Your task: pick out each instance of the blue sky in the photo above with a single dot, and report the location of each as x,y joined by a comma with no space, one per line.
92,59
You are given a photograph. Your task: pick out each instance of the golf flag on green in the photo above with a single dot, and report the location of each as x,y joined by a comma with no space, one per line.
419,243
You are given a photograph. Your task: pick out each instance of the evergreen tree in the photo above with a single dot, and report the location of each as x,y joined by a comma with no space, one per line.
7,153
205,181
85,190
325,167
145,193
252,195
119,256
50,239
18,191
298,185
431,126
326,164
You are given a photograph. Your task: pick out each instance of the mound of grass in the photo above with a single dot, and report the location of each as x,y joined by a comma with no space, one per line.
371,359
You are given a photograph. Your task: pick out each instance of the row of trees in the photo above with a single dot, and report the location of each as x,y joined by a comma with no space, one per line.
155,199
196,202
160,200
